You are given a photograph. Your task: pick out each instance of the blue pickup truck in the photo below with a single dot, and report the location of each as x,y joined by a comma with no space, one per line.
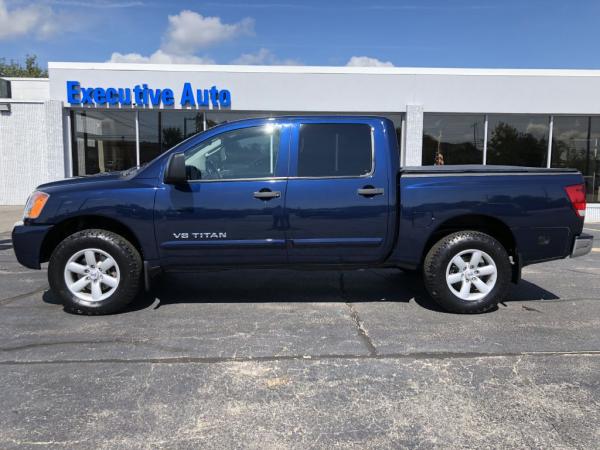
300,192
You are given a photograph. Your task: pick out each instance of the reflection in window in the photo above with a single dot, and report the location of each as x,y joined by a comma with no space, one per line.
575,142
518,140
103,141
244,153
175,126
150,144
453,138
159,131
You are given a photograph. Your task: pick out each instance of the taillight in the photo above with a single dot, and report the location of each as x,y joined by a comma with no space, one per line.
576,195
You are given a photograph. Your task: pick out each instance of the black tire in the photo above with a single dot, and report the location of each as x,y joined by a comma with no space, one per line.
128,261
437,262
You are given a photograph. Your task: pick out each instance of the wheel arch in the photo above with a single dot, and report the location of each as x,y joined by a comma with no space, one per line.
74,224
492,226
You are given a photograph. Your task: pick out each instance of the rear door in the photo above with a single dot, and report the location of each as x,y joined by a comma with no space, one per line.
338,192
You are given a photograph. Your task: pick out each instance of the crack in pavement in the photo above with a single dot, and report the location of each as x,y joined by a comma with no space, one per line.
582,272
362,331
388,356
125,341
5,301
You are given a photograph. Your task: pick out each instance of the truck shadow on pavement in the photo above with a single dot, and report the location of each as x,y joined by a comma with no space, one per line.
256,286
5,244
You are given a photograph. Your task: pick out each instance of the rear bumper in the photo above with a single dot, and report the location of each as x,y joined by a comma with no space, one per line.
27,243
582,246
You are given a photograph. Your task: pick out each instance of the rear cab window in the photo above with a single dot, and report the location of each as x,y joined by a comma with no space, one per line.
328,150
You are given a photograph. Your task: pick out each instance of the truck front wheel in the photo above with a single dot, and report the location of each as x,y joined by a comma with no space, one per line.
467,272
95,272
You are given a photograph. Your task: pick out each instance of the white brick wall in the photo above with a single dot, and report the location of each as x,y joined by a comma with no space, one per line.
31,149
592,213
413,144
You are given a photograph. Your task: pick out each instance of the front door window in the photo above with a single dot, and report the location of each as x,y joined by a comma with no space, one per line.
247,153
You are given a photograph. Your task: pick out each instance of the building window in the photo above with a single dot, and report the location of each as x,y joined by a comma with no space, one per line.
214,118
103,141
453,138
518,140
575,143
161,130
150,138
5,91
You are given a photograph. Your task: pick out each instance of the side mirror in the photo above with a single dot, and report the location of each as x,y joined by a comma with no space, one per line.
175,171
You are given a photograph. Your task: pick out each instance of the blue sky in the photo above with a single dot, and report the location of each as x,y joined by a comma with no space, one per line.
426,33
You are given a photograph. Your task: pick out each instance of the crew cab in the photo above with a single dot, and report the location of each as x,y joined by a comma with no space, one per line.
300,192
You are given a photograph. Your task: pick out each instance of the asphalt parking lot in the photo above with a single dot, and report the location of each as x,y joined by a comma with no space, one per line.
278,359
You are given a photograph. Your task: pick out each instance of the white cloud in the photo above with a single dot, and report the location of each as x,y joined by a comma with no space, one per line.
264,56
37,19
366,61
188,33
159,57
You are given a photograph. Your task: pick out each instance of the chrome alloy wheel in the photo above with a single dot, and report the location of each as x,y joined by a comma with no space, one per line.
92,275
471,274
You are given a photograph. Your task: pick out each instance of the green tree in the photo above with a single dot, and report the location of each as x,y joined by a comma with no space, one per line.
171,136
509,146
31,69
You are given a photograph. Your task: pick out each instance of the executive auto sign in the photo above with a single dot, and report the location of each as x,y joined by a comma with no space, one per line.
143,95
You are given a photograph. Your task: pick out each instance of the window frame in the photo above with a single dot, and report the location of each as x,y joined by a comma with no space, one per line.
296,141
278,162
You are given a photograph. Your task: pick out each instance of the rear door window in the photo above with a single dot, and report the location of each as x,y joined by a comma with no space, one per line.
335,150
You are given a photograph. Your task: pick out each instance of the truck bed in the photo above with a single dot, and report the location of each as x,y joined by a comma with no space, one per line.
529,205
481,169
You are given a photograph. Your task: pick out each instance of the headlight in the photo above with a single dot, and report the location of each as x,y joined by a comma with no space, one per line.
35,205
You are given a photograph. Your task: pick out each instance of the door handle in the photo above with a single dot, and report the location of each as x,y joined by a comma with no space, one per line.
266,194
370,191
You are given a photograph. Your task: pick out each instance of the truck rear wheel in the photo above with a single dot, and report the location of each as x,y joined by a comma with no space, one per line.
467,272
95,272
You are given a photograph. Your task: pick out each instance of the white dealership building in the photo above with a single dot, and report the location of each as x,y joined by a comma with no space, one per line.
88,118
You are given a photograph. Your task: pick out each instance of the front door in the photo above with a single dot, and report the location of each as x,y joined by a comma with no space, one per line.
338,197
231,210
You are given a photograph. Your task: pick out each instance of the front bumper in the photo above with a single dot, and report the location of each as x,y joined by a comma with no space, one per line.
27,243
583,245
